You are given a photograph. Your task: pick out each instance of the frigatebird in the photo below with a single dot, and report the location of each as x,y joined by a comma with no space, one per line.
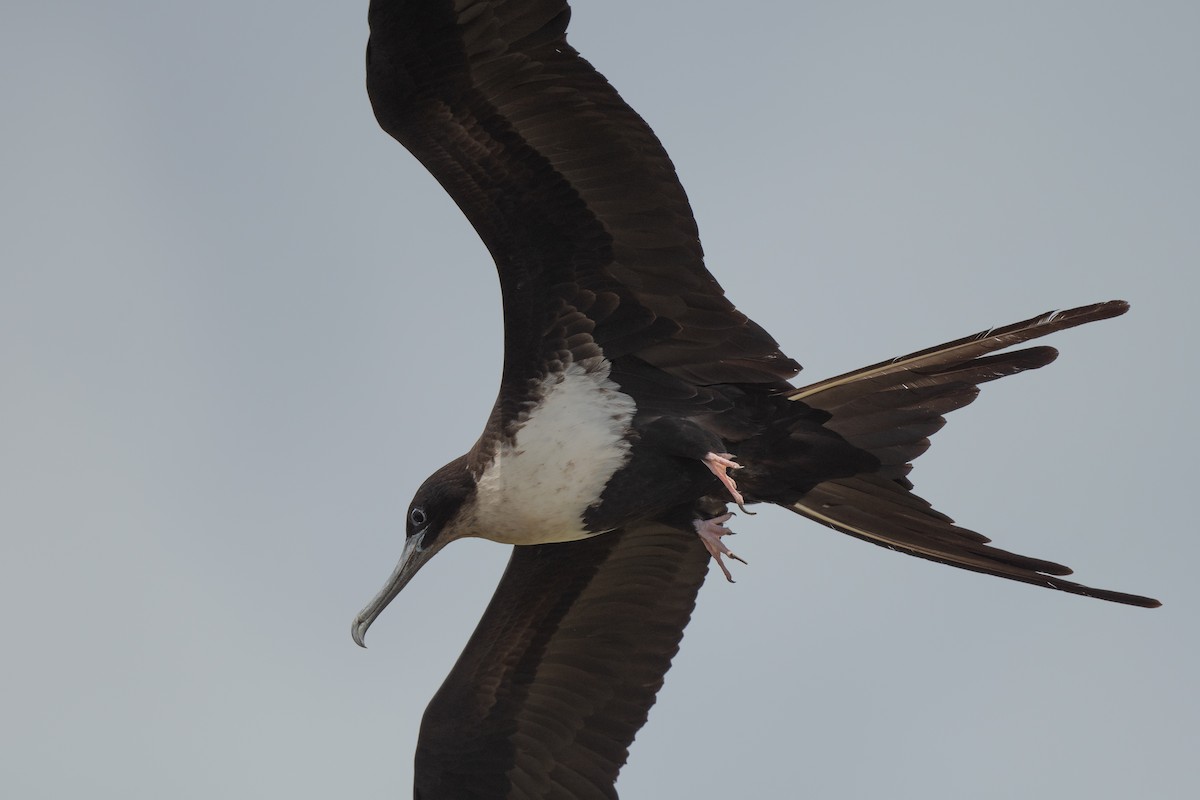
636,403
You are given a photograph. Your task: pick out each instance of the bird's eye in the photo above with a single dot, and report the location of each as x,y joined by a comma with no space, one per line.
418,517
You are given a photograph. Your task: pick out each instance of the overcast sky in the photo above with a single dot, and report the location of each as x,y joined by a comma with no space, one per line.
239,325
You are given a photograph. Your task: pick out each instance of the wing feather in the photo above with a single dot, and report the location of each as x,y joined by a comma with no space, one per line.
562,670
567,186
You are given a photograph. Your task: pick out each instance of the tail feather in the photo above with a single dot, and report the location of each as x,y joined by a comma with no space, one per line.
890,409
958,354
880,511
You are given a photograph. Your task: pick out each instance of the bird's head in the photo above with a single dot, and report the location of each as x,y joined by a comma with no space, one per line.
435,518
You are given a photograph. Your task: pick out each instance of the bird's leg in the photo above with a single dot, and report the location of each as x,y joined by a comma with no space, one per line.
718,463
710,532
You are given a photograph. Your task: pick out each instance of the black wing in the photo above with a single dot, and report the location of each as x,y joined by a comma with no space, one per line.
568,187
561,673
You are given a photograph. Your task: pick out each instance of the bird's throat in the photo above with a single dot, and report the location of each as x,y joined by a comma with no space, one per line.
572,439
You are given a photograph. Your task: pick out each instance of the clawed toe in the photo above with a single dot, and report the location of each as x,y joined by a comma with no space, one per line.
719,464
710,532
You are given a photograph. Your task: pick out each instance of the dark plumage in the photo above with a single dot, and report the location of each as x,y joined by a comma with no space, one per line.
549,693
629,379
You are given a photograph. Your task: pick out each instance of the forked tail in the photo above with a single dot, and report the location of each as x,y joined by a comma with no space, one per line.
891,408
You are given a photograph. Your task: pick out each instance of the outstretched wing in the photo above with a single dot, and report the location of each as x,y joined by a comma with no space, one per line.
561,673
568,187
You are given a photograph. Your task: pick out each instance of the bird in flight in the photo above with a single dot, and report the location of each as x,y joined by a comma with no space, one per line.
636,405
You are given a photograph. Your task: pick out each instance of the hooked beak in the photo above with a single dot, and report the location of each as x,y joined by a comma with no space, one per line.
413,557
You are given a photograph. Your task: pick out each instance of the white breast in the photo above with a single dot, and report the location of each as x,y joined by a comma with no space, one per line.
568,446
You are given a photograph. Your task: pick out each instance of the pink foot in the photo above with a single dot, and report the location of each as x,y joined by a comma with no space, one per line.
719,463
710,532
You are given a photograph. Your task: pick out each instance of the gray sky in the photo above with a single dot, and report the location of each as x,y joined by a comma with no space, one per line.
227,300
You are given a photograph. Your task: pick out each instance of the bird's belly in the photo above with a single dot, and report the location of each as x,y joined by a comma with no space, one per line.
566,448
